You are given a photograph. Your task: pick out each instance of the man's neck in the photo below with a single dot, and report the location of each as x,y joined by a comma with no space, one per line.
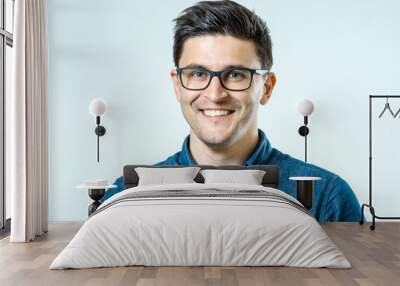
235,154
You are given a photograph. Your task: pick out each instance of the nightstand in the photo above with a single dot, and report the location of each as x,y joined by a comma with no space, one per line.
96,192
305,189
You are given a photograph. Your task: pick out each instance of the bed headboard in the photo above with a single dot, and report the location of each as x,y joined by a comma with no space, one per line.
270,179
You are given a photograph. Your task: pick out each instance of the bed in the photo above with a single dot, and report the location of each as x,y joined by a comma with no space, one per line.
201,223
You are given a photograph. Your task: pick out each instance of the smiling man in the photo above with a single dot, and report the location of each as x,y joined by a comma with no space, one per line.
220,82
223,58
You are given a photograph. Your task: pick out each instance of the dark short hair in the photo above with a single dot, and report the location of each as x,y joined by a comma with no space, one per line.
226,18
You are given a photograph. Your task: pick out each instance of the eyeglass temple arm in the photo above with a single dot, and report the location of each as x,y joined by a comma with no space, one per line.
262,72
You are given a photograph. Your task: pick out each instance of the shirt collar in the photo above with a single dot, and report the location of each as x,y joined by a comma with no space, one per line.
259,156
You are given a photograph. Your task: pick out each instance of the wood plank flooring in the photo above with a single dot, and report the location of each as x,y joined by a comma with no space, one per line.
374,255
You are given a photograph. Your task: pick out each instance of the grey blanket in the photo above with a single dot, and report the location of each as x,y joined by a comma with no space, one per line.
205,193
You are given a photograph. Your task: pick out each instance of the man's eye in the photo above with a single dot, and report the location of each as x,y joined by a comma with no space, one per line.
199,74
235,75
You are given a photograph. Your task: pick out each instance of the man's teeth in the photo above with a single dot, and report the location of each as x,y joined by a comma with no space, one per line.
213,112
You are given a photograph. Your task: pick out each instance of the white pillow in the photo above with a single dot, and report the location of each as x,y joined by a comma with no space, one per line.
164,176
249,177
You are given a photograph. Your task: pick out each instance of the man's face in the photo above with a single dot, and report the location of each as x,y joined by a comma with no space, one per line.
215,53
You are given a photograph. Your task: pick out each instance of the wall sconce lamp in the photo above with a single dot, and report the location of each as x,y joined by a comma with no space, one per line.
97,108
305,108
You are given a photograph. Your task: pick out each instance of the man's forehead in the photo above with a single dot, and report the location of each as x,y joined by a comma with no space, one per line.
219,52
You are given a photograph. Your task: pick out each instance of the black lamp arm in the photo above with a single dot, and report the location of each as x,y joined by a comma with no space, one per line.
100,131
304,131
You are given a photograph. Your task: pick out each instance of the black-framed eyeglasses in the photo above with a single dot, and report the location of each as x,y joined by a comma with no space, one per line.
234,79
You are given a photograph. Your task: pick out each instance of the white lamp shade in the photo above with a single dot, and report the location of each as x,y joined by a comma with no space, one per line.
305,107
97,107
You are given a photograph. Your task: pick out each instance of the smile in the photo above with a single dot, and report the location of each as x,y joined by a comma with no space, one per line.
216,112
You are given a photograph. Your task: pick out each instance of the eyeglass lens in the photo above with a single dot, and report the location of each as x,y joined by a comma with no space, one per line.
233,79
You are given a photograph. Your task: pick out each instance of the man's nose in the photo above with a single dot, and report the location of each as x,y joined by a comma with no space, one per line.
215,90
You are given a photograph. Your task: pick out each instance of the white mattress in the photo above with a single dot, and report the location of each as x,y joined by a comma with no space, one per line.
190,230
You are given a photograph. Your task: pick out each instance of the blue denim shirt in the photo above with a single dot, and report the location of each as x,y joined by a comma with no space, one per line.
333,199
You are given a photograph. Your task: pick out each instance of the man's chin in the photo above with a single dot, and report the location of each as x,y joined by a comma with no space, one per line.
216,140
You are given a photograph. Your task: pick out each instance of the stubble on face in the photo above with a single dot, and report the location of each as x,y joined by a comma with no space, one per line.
218,134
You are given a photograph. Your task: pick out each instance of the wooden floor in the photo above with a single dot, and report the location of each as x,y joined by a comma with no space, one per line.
374,255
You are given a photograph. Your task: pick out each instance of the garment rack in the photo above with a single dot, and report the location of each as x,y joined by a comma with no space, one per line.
369,205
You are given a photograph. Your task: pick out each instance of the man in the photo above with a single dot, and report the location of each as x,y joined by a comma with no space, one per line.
223,56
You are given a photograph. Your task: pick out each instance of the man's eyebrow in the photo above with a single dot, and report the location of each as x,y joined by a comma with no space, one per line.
194,66
198,66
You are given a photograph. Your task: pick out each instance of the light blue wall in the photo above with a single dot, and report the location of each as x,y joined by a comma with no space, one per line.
335,54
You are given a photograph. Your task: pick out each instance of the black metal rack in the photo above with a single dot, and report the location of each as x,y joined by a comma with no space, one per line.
369,205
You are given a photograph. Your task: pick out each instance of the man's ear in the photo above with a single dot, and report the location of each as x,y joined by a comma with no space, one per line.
268,87
175,81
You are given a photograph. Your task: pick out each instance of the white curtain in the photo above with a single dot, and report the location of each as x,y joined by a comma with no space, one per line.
27,121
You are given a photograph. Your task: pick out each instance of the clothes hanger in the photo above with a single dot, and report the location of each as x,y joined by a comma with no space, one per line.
398,111
387,106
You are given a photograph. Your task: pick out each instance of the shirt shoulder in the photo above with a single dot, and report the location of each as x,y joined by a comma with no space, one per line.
334,198
119,183
342,203
171,160
295,167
